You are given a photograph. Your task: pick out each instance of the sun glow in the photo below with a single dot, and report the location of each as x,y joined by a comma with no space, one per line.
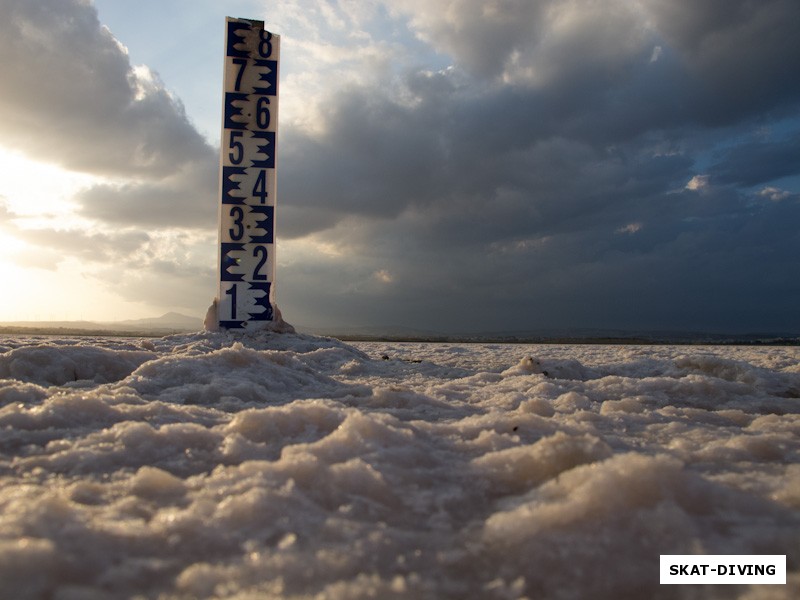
40,283
9,246
33,189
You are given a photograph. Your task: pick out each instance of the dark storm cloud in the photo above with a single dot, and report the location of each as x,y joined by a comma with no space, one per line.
501,156
742,54
759,162
545,182
376,159
71,96
739,56
713,261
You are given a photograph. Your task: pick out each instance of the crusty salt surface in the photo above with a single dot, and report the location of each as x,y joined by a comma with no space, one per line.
289,466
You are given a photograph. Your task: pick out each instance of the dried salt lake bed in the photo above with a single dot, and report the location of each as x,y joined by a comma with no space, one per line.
292,466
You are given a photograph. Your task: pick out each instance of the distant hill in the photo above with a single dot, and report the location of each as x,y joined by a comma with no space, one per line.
170,322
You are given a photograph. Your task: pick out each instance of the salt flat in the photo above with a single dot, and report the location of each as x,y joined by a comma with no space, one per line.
291,466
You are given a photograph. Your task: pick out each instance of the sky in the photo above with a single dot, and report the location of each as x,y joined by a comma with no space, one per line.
449,166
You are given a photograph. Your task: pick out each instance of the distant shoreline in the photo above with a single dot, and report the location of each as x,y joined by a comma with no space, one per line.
167,324
599,341
89,332
665,340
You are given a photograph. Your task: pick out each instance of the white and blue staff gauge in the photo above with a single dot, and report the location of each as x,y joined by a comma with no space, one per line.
247,176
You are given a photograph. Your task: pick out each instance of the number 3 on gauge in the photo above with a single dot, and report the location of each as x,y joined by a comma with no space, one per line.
237,231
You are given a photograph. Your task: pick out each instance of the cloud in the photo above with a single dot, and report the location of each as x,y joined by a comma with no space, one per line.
88,246
698,183
482,35
740,54
775,194
719,262
758,161
383,276
459,138
186,198
172,268
536,183
188,287
630,228
71,96
6,214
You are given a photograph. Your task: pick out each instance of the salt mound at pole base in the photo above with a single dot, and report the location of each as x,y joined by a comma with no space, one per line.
276,325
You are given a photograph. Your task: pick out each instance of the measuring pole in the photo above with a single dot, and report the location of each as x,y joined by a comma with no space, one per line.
245,299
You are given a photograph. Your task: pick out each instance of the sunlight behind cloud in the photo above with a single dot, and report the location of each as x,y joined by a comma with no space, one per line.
9,247
37,202
37,189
